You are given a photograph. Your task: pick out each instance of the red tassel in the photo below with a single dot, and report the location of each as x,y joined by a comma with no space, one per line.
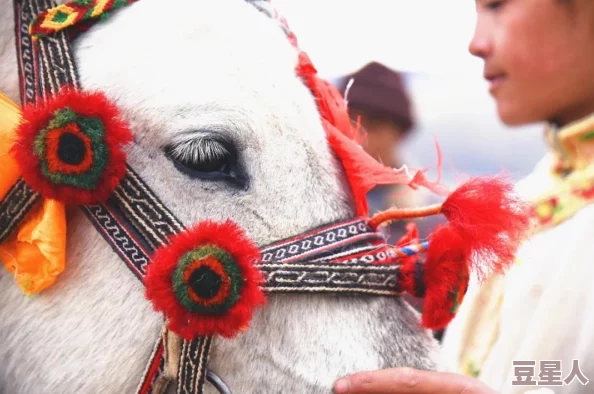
446,274
363,172
487,222
491,218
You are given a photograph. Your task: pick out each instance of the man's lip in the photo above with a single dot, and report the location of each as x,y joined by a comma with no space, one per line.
495,80
492,76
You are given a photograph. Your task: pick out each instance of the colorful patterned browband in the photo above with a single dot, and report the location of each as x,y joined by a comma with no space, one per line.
72,13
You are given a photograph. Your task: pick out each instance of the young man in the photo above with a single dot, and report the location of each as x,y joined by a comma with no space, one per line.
539,61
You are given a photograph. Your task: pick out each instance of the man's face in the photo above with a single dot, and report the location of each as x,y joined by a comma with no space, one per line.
539,57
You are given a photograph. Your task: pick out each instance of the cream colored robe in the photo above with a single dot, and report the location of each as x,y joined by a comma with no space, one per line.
543,309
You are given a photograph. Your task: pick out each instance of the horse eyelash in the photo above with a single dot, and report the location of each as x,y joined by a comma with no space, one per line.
198,150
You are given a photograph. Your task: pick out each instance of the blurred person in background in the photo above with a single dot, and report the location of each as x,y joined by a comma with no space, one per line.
538,59
380,103
378,100
378,96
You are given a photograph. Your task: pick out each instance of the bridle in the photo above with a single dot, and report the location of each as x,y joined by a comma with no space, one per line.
347,257
334,259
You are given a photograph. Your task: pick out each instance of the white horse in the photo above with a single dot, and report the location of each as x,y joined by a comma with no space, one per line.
190,74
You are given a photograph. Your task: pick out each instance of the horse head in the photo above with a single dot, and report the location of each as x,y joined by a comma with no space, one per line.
224,127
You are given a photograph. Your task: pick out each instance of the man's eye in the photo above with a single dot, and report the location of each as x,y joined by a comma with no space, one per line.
494,5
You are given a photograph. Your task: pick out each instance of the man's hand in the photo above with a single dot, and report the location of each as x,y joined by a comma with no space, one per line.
409,381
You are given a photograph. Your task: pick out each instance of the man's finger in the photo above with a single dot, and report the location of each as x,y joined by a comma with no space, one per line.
409,381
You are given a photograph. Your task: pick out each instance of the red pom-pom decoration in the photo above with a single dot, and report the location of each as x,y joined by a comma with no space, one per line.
69,147
205,281
487,221
446,273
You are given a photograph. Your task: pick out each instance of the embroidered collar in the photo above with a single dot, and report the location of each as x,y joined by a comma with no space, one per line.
572,145
573,168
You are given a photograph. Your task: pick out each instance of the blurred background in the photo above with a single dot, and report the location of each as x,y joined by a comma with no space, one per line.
425,40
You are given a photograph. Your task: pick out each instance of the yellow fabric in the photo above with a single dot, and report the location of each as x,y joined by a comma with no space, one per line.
573,145
475,331
568,197
10,115
36,252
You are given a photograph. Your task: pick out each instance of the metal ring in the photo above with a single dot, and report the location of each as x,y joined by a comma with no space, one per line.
217,382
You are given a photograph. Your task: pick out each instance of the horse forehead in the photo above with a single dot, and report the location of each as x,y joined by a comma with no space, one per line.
223,52
202,44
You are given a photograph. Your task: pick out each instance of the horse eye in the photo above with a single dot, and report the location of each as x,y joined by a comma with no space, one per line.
206,159
199,164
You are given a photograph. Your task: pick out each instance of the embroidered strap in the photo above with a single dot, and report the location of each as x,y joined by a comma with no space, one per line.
20,198
56,62
362,278
120,237
43,69
192,368
339,257
320,242
28,73
14,207
53,20
135,222
47,66
153,369
145,211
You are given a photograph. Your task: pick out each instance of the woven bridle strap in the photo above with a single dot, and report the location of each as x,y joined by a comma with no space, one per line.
338,258
44,68
333,259
14,207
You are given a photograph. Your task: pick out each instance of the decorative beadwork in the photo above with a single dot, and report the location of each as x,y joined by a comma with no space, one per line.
65,15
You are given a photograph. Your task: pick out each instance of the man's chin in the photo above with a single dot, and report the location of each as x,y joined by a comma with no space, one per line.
514,117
